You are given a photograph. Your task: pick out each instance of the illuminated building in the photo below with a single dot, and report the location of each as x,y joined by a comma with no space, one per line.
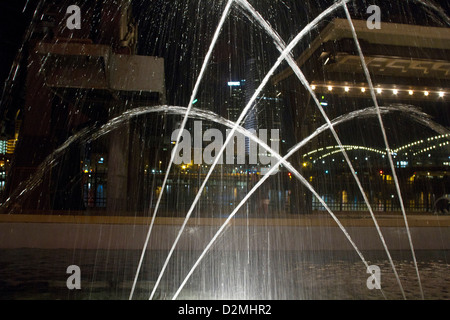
409,66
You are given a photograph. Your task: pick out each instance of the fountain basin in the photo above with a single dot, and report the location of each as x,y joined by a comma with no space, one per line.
311,232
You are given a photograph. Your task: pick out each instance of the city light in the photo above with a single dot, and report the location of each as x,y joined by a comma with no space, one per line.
379,90
327,151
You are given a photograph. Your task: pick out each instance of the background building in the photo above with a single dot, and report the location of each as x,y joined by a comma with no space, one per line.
409,66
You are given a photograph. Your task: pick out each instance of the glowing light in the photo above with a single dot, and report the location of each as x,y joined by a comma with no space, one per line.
441,94
426,93
395,91
379,90
411,92
363,89
330,88
313,87
346,89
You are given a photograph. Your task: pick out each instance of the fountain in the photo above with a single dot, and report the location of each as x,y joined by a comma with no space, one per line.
339,201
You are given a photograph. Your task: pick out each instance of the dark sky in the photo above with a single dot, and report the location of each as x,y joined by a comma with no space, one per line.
184,14
179,14
180,31
12,27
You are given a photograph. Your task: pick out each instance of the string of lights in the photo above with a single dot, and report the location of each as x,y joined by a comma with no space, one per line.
380,90
395,152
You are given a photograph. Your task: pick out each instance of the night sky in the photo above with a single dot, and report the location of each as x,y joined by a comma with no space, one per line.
180,31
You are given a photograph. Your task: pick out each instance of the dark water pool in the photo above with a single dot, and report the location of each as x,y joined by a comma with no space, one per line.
109,274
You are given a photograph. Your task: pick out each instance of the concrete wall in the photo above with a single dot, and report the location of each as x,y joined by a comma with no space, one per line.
258,235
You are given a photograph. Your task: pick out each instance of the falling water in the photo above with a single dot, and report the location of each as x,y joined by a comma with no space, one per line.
283,160
303,80
388,151
238,121
277,44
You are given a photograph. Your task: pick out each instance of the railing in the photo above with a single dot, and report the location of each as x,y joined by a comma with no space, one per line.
224,192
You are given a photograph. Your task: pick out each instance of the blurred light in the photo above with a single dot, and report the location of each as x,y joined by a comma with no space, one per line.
411,92
395,91
234,83
313,87
426,93
330,88
379,90
363,89
441,94
346,89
